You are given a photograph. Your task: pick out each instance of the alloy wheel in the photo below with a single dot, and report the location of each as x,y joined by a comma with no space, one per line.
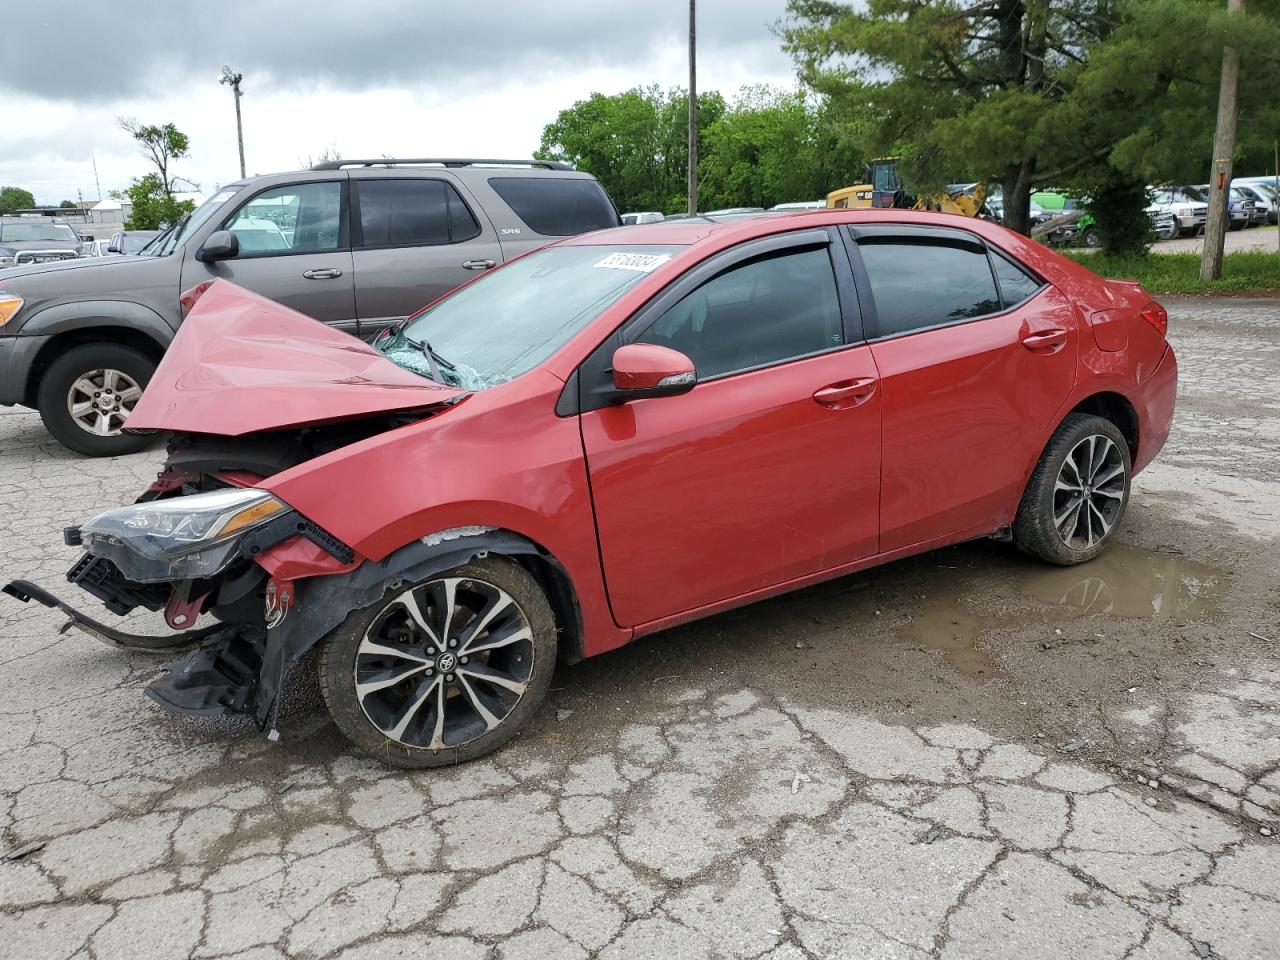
100,401
444,663
1089,492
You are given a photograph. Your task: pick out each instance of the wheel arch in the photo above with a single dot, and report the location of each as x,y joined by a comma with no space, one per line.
64,336
1115,407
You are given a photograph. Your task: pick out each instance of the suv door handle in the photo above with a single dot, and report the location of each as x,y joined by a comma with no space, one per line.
1045,339
846,393
324,273
478,265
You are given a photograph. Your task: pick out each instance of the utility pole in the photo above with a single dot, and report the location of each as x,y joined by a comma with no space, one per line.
1224,147
96,182
693,109
233,80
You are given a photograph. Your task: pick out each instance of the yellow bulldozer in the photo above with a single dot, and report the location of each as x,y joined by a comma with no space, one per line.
883,189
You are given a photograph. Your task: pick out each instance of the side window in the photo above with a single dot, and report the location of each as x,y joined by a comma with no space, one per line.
557,206
919,284
1016,285
760,312
404,213
298,218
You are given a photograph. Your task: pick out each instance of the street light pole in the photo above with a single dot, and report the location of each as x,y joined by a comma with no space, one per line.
233,80
693,110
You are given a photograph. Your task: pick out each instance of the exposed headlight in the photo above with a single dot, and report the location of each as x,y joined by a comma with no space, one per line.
1185,211
178,538
10,303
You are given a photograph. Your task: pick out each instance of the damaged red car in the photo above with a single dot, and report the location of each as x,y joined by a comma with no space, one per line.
614,434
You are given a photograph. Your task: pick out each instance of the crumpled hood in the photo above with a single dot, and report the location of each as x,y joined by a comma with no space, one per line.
241,363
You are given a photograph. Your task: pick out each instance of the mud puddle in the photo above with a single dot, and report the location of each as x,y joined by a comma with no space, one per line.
1125,582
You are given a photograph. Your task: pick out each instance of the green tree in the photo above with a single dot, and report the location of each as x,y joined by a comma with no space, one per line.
962,91
154,208
634,143
67,205
159,144
773,146
1100,95
13,199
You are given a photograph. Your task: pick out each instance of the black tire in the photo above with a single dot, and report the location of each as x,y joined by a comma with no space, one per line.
340,667
75,366
1044,506
1091,237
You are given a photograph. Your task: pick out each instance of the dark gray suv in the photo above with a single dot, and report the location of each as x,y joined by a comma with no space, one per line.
356,244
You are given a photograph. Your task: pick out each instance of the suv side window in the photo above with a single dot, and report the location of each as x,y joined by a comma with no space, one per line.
557,206
760,312
918,284
297,218
406,213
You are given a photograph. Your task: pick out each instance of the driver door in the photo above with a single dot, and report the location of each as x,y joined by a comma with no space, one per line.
769,469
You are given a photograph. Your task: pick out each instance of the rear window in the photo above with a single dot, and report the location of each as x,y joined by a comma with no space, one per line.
557,206
411,212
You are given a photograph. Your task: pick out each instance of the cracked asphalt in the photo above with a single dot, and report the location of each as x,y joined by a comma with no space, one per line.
962,755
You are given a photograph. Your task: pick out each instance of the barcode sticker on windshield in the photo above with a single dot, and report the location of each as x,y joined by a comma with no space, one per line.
643,262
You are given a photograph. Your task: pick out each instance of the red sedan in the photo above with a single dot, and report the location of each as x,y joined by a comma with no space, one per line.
611,435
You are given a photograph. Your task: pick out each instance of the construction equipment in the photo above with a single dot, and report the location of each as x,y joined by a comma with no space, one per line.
887,191
856,196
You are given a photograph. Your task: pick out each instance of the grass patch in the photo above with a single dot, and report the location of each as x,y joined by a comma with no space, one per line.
1253,271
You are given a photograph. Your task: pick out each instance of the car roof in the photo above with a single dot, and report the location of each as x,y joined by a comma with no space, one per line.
718,234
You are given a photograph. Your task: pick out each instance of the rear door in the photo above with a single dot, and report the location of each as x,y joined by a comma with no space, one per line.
769,469
415,239
976,357
294,249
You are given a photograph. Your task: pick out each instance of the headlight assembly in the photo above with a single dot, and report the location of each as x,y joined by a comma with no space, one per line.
179,538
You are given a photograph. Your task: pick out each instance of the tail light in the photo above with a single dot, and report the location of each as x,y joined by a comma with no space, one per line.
1156,315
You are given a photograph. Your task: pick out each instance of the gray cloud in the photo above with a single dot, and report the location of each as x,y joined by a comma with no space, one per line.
137,46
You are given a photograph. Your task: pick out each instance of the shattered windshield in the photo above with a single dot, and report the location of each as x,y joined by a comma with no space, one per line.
507,323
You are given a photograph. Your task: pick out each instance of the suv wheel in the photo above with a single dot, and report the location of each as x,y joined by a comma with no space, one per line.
87,394
1077,493
444,670
1091,237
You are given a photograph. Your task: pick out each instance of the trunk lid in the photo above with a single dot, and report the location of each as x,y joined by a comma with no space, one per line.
241,364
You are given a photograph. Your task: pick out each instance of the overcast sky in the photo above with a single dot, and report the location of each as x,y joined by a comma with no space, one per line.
369,77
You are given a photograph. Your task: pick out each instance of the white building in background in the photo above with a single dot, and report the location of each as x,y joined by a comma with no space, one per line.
114,213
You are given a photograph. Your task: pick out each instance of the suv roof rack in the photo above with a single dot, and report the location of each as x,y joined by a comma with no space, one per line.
442,162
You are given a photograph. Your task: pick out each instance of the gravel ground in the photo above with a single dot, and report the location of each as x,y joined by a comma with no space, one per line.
1238,241
960,755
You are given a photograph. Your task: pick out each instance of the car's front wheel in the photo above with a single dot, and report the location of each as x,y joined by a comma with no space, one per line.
87,394
1077,493
444,670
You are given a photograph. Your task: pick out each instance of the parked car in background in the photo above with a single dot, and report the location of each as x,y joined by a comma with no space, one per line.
1263,202
1164,224
131,241
1240,207
1188,207
798,205
37,240
615,434
631,219
1266,186
1082,230
363,243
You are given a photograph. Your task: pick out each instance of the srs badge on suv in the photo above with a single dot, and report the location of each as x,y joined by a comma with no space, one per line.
355,244
609,436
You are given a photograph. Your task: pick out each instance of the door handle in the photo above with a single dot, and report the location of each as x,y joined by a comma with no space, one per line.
846,393
1045,339
324,273
478,265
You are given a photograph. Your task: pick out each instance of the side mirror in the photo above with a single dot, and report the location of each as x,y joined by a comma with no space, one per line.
221,245
114,247
648,370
